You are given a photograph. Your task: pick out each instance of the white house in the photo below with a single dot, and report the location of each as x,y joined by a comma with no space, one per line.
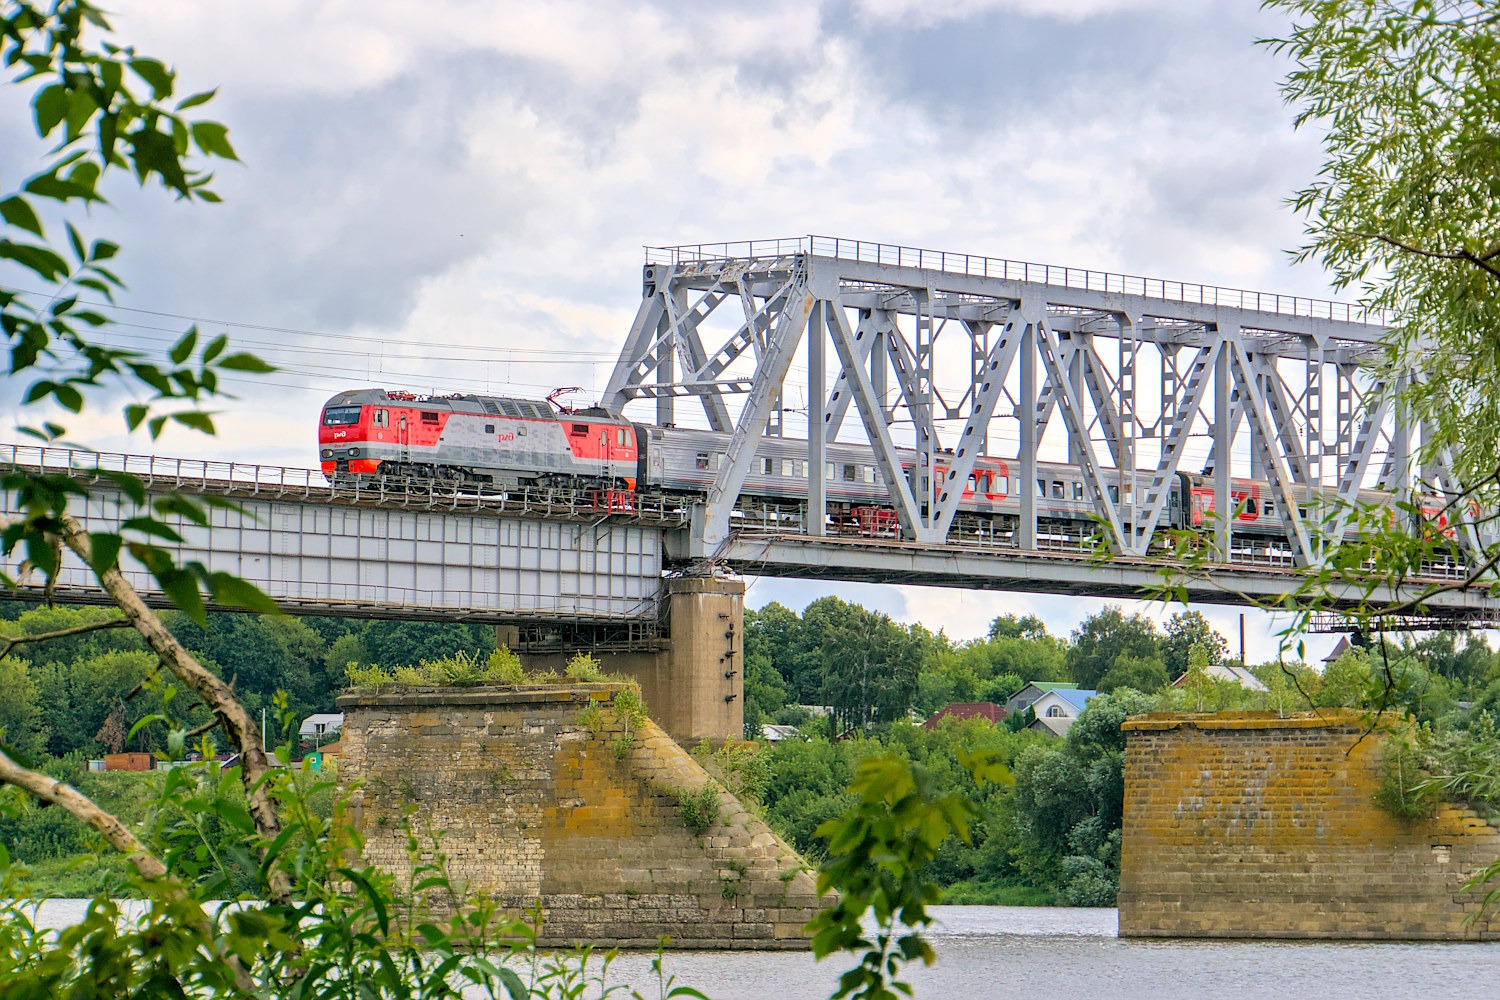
1057,709
1227,672
1027,696
322,726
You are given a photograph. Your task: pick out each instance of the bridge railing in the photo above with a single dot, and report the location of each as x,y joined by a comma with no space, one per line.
249,479
1028,271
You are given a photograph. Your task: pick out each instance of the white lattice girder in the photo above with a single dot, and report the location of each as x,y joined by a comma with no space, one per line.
1358,460
986,394
769,375
1189,405
1256,412
871,324
1070,406
872,414
638,342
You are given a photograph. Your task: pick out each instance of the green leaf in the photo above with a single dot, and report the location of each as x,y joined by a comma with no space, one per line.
43,261
233,592
202,97
104,551
196,419
152,527
215,348
155,74
245,363
213,139
18,212
183,349
103,250
182,590
51,107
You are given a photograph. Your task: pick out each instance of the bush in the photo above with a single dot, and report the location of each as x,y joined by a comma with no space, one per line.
699,810
583,667
504,667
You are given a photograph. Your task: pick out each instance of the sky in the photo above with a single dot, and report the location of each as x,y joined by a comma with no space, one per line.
454,196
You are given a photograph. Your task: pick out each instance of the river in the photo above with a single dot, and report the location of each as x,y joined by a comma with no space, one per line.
1043,953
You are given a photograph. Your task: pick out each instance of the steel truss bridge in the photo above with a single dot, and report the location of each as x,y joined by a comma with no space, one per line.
1128,379
1118,375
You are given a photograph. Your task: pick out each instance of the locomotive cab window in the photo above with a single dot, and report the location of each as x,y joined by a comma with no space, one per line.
620,437
336,415
382,418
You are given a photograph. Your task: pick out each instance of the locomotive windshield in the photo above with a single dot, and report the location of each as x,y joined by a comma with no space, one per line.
335,415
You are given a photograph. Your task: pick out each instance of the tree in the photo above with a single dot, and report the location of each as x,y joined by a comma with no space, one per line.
1104,637
870,670
1136,673
1403,210
1183,631
1009,626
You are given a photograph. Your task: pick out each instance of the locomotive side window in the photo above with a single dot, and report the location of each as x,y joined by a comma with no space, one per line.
429,417
580,430
336,415
382,418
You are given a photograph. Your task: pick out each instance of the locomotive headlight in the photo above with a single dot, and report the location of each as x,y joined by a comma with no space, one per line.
327,452
353,452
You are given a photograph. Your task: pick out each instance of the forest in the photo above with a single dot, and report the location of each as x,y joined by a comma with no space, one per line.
855,683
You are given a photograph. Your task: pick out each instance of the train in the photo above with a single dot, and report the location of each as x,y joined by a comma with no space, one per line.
510,443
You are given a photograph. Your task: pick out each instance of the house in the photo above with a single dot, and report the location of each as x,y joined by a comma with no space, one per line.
1057,709
1027,696
1226,672
987,710
129,762
322,726
1339,649
775,734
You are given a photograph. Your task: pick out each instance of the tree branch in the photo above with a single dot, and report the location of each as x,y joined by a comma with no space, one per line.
255,766
107,825
11,642
1480,260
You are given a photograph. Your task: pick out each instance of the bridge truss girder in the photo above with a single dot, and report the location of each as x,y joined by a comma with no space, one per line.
1038,347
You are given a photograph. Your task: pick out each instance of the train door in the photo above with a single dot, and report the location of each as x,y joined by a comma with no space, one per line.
403,440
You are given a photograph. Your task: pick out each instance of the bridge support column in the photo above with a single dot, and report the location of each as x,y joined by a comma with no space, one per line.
695,688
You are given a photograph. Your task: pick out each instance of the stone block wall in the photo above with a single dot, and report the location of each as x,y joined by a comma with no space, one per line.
541,794
1245,825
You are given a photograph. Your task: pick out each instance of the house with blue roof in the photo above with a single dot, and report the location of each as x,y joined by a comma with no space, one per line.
1057,709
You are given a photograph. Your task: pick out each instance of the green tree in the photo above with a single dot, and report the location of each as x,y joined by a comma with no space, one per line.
21,725
1104,637
1137,673
870,669
1183,631
775,632
1011,626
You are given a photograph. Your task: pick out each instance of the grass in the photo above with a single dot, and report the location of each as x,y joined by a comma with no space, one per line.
996,894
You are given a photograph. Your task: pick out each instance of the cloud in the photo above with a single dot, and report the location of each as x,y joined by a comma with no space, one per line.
435,194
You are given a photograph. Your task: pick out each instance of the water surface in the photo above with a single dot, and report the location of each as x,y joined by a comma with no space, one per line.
1042,953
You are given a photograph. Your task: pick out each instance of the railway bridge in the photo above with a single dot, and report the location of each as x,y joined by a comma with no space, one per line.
1125,382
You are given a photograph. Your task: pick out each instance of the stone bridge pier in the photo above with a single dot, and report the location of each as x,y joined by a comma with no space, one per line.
695,687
